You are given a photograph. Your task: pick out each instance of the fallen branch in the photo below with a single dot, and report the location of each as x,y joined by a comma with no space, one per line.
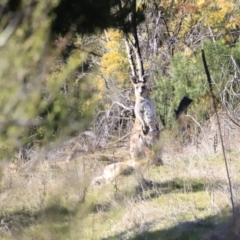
119,140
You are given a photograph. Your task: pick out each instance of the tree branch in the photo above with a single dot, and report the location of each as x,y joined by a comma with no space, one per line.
219,127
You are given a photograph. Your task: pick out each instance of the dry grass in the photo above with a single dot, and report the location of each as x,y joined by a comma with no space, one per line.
186,198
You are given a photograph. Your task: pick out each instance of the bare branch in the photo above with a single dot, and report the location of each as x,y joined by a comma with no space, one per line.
10,29
129,55
219,127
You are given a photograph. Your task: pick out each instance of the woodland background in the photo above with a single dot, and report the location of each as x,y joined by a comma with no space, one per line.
65,71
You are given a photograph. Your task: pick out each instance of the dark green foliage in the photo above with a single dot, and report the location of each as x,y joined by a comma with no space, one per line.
40,100
12,6
188,78
86,16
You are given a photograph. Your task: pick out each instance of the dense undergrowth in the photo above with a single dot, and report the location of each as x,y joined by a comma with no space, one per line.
186,198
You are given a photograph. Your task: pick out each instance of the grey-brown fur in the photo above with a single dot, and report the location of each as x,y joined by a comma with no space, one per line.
144,107
144,136
145,131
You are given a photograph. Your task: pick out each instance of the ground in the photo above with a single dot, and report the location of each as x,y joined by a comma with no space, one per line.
188,197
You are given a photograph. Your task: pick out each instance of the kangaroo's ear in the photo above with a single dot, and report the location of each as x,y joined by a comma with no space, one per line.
145,78
134,79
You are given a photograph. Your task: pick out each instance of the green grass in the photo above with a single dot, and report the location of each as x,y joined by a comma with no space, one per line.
186,198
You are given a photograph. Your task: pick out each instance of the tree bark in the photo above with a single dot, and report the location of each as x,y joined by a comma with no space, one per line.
136,46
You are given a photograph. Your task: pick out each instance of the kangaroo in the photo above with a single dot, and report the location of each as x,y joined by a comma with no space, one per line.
144,136
145,131
144,107
113,170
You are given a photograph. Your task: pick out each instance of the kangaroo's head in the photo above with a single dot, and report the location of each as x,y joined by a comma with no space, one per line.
140,86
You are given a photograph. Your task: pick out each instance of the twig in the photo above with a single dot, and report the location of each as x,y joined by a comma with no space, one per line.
219,127
119,140
120,104
232,119
187,115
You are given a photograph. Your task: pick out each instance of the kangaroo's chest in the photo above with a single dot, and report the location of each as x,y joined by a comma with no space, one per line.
145,107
